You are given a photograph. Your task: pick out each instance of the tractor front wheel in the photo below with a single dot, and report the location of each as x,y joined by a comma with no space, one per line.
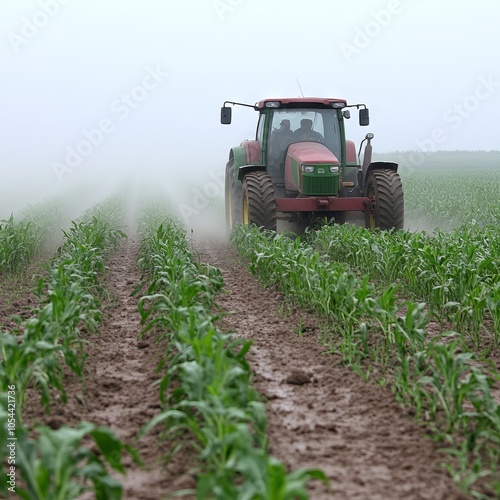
259,206
386,191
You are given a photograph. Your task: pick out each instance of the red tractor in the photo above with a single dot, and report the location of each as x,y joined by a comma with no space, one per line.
300,167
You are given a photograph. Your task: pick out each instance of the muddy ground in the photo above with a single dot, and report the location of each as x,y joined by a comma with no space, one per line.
320,414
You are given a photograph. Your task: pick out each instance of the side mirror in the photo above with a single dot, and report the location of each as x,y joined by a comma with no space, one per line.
347,114
364,117
225,115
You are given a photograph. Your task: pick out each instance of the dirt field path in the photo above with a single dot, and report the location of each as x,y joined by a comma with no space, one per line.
320,414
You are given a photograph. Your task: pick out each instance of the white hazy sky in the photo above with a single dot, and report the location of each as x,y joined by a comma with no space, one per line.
152,75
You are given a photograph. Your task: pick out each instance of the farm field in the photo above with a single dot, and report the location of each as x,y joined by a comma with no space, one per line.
345,363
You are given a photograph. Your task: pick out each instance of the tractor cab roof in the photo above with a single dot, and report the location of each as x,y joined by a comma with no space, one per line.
301,102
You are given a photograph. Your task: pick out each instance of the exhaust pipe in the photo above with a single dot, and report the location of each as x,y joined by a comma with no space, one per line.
367,157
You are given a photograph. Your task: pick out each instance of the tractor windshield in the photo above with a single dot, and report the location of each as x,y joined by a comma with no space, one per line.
299,125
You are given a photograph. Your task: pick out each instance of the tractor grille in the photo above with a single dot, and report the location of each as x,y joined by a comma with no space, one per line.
320,184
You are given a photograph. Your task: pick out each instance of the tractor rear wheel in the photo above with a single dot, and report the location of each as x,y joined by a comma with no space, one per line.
259,206
385,189
232,199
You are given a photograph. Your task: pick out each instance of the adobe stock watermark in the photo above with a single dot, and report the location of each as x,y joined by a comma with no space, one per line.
454,117
224,7
204,198
32,26
365,35
122,109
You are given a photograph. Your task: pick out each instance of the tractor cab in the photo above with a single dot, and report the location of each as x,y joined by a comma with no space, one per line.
292,127
287,126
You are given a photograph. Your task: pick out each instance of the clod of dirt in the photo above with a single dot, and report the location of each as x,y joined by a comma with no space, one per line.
298,377
111,385
142,345
270,396
56,422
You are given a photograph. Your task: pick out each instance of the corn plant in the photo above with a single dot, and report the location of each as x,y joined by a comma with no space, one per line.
56,465
453,381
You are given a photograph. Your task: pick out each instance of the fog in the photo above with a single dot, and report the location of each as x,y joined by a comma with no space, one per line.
94,92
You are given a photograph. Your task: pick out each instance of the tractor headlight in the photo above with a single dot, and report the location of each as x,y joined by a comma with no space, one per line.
308,169
334,169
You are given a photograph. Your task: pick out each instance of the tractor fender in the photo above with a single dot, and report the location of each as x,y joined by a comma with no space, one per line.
237,158
247,153
246,169
377,165
252,151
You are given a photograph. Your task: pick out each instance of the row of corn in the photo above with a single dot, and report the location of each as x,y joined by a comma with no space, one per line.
456,273
381,336
54,463
23,238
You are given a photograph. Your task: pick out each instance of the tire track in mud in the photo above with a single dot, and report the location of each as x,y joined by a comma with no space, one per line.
321,414
118,392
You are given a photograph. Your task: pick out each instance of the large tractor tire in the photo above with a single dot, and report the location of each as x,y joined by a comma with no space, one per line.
232,197
385,189
259,206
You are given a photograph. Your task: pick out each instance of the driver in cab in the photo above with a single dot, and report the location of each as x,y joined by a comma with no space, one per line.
306,133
